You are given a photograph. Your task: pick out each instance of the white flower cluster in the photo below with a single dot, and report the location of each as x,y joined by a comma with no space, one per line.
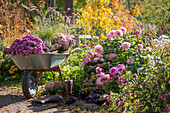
163,37
162,43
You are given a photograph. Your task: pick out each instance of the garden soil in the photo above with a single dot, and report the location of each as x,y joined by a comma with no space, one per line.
12,100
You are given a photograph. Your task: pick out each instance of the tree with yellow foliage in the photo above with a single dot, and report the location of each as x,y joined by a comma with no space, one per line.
99,17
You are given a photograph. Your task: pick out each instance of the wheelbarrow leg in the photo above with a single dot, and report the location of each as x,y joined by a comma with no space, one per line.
53,76
38,76
59,70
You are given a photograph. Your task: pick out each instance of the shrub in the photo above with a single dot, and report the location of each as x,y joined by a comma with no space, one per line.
9,71
99,17
132,76
126,50
14,22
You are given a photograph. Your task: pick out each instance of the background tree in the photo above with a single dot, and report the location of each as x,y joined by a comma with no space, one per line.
50,3
69,4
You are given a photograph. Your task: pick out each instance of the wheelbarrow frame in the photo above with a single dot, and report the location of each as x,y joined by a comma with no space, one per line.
51,68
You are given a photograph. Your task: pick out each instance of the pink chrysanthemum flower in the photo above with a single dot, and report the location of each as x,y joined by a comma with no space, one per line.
98,49
98,81
140,46
112,70
121,65
105,78
111,75
96,59
116,73
98,69
119,33
112,33
86,60
136,56
111,56
126,45
109,36
123,29
124,70
138,32
131,60
148,49
136,76
121,80
91,53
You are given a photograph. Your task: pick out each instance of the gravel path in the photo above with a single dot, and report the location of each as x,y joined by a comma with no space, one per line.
12,100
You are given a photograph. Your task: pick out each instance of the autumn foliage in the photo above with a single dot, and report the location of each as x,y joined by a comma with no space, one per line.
99,17
13,21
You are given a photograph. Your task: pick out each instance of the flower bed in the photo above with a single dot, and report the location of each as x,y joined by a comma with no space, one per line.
121,67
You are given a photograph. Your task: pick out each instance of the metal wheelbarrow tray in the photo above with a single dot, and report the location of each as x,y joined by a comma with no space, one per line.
39,62
34,65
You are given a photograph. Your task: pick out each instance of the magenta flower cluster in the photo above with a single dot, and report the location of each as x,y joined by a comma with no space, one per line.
113,72
116,71
164,95
94,57
29,44
118,33
64,40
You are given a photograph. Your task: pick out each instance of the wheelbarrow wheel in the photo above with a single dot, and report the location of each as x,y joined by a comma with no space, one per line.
28,87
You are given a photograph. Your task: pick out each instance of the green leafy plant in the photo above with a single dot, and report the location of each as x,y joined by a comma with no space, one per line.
48,24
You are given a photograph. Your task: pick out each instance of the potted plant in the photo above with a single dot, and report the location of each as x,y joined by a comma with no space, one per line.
62,42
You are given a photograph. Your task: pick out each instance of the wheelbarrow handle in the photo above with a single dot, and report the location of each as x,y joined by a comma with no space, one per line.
72,51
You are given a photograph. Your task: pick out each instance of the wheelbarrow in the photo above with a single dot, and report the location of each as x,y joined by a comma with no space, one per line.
38,63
